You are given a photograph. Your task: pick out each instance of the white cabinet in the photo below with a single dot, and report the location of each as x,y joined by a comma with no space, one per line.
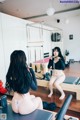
34,33
12,37
2,63
47,41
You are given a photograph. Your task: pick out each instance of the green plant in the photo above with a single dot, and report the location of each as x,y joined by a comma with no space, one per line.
66,52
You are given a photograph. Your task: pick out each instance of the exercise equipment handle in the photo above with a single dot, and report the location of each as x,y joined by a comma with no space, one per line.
63,109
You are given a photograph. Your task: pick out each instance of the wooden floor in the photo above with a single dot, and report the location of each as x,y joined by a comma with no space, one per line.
74,109
73,70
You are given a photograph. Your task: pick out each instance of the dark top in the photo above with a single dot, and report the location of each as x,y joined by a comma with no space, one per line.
60,65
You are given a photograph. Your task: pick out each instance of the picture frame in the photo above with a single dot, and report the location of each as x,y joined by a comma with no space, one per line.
71,36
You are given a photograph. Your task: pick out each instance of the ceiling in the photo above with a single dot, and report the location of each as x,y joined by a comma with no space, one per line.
28,8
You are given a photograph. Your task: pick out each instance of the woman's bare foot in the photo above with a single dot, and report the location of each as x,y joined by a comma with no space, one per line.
50,95
62,96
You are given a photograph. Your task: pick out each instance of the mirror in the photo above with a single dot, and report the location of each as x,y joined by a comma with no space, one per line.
55,37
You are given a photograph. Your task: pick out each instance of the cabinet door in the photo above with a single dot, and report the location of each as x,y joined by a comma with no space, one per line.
2,63
14,36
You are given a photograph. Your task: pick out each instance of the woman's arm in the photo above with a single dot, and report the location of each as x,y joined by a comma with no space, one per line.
50,64
34,81
62,62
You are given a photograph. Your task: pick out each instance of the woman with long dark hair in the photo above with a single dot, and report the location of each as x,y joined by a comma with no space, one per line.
20,78
57,64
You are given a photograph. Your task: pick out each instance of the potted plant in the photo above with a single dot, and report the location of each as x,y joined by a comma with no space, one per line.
67,61
66,52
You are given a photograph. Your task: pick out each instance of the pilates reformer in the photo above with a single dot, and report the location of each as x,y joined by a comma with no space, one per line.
8,114
62,111
71,84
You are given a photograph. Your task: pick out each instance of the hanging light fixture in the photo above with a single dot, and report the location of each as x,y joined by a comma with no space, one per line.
1,1
50,11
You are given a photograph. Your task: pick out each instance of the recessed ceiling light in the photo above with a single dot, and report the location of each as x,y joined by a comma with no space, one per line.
50,11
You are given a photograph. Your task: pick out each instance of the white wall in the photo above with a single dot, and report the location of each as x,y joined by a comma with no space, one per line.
73,45
73,27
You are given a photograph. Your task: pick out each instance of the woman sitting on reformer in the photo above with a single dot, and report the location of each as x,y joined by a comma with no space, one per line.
20,78
57,64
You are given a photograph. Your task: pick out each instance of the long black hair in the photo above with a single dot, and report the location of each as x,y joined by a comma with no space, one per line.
59,52
18,77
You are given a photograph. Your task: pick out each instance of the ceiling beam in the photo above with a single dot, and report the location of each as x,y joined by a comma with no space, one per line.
36,16
57,12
